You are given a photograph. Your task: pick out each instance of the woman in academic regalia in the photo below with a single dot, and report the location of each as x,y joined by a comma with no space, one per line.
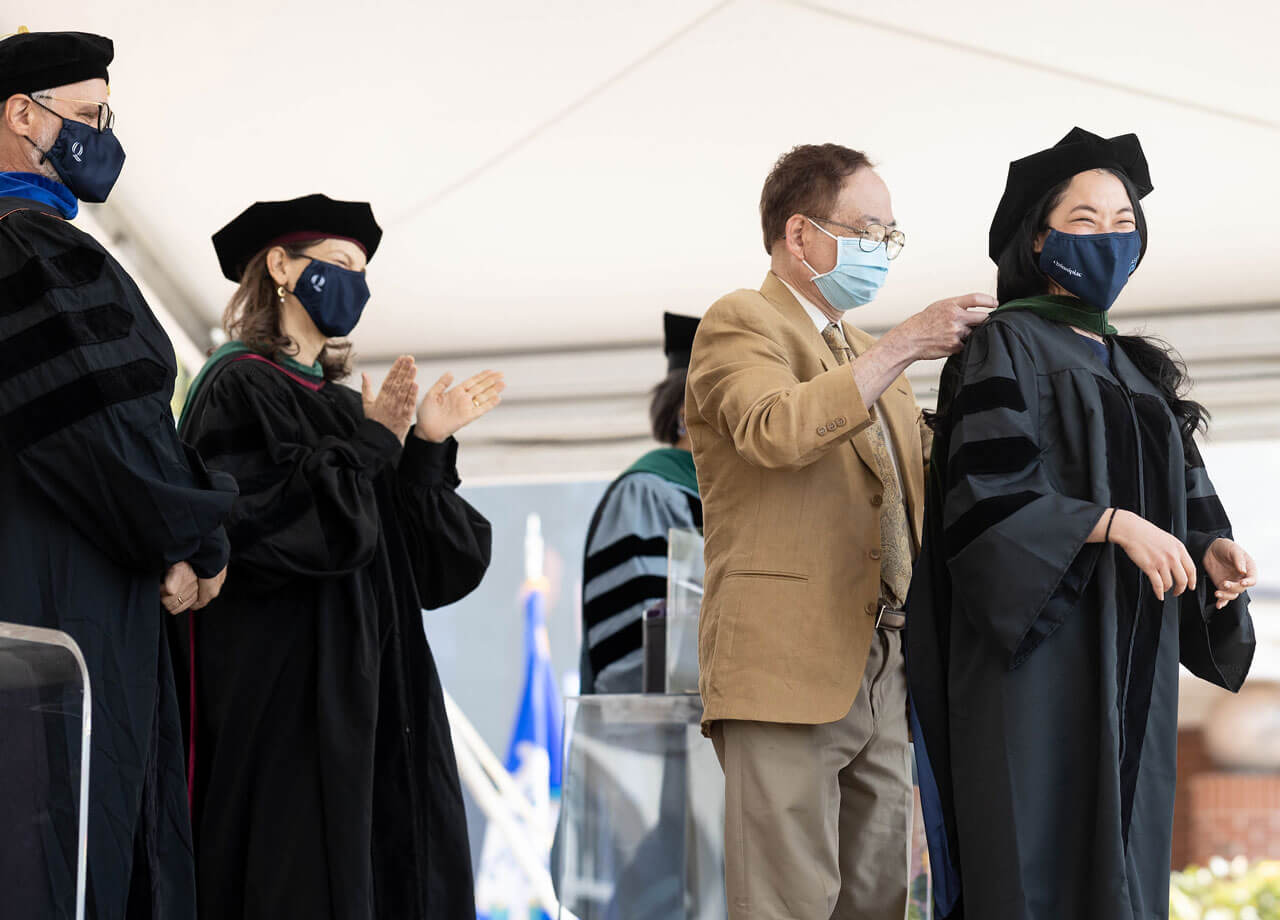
1075,552
322,773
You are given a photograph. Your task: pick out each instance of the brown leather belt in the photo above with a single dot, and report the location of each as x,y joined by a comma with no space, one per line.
890,618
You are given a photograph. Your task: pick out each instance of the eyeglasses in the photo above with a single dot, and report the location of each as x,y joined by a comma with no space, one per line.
872,235
106,117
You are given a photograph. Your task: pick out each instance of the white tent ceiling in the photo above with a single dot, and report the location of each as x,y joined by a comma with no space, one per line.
551,176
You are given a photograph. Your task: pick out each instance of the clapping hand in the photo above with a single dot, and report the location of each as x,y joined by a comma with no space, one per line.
392,407
1231,569
444,411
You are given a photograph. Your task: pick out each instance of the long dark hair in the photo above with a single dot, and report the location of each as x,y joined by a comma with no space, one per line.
1019,276
253,317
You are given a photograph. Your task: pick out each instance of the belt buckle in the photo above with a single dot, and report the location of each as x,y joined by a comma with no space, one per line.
888,610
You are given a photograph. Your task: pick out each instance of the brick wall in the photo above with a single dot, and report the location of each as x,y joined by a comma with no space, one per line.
1231,814
1193,760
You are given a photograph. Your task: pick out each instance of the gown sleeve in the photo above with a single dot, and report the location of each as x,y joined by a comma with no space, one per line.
449,541
86,377
307,506
625,568
1004,522
1216,645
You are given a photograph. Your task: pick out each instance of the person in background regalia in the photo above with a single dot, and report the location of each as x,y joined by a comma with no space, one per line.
108,520
1074,553
323,778
625,569
624,573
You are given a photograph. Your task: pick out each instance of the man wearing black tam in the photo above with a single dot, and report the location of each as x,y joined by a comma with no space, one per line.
625,569
109,519
1074,553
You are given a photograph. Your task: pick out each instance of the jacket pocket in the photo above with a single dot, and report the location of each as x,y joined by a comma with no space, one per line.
764,573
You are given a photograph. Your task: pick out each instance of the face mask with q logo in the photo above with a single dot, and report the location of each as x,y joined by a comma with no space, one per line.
88,161
334,297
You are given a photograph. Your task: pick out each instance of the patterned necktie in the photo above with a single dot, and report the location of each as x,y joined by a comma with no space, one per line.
895,532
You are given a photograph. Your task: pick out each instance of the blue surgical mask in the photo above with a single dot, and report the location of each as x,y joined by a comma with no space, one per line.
88,161
1093,266
857,276
334,297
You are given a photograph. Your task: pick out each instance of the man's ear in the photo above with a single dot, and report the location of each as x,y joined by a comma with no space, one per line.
794,237
18,115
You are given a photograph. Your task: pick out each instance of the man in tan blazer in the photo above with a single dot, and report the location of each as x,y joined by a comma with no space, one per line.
810,453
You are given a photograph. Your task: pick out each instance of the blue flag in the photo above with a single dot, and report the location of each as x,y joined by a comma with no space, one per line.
539,724
535,761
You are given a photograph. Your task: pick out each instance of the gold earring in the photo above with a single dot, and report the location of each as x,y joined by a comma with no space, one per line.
280,292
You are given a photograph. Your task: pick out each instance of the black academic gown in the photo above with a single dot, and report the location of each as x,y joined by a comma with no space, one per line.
1043,670
325,785
99,498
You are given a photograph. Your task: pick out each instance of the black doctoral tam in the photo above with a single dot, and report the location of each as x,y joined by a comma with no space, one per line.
1031,177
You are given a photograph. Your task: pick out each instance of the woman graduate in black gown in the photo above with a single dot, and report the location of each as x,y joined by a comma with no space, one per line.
1075,552
323,777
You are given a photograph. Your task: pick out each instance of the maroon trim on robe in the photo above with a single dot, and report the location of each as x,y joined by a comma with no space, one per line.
309,384
191,732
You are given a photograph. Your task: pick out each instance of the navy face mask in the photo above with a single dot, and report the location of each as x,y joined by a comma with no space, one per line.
1093,266
88,161
334,297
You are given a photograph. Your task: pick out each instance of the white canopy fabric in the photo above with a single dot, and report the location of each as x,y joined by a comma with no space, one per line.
551,176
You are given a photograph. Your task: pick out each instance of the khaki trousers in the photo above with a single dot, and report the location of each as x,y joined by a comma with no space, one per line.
818,817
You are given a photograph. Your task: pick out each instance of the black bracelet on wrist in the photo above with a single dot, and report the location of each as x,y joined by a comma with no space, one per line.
1106,537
